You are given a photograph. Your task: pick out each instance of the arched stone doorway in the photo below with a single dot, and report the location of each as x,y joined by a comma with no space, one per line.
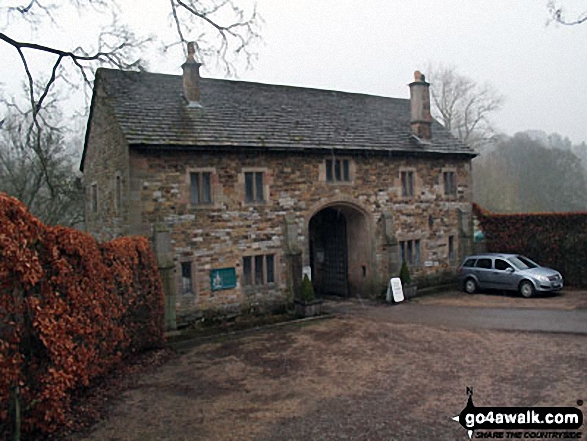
339,250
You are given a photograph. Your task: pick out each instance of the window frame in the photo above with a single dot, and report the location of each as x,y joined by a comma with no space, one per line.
408,183
410,251
449,178
94,198
338,170
258,182
203,198
257,271
193,276
118,192
190,265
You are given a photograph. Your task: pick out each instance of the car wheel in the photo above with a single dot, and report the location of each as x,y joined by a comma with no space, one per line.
526,289
470,286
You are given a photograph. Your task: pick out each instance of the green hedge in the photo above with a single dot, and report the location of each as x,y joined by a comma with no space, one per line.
556,240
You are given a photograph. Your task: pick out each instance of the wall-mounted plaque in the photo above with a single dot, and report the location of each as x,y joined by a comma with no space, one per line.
224,278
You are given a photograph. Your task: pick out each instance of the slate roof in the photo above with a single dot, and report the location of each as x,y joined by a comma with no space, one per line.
152,111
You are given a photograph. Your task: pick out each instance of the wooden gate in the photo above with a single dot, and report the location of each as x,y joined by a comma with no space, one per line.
329,253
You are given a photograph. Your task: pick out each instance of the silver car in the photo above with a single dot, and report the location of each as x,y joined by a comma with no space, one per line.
510,272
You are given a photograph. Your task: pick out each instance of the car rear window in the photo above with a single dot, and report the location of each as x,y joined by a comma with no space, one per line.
470,262
484,263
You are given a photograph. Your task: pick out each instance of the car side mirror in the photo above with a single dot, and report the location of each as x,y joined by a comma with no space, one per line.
509,270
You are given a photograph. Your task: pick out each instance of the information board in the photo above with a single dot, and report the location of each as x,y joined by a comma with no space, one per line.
395,290
223,278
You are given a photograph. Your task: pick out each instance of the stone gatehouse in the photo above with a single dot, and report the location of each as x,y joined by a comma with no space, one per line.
245,175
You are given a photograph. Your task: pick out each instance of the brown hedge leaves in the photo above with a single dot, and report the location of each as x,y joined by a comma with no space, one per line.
70,310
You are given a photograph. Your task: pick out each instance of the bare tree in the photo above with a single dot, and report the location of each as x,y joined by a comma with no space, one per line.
118,46
37,167
558,14
525,174
224,32
463,106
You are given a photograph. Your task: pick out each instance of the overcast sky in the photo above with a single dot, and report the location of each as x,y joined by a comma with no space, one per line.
374,46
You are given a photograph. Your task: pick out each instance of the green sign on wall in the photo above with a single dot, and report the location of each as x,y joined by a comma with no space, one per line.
224,278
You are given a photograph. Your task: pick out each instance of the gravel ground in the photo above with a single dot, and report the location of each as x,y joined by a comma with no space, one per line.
347,377
565,299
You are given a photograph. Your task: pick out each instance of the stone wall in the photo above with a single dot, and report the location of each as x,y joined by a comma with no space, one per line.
106,160
219,235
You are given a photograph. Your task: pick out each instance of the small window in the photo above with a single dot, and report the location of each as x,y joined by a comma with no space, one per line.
407,178
410,251
329,175
338,170
450,184
451,248
118,199
258,270
247,271
94,191
269,259
254,187
484,263
186,278
200,188
501,265
410,258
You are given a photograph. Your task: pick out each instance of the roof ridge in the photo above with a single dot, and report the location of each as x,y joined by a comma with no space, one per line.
252,83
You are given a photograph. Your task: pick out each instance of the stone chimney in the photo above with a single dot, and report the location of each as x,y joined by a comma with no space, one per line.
421,120
191,78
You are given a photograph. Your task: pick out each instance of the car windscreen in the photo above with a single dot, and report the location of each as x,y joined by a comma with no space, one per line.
522,262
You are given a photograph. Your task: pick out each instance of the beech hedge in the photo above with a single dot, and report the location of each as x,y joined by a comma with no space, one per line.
70,310
556,240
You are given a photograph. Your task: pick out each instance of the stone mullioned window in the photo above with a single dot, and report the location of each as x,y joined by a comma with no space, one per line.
259,270
410,251
200,187
254,187
338,170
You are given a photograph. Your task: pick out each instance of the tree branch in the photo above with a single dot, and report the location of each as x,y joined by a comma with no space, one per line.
558,15
239,34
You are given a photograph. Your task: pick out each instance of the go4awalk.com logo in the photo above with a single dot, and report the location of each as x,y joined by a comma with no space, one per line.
521,422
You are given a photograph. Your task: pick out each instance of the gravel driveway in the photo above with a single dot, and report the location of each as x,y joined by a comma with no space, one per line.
347,377
566,299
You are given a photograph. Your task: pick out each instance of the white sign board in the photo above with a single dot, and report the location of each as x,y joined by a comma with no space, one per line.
394,289
307,270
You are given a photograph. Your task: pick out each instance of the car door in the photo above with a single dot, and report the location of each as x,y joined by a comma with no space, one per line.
503,275
483,269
